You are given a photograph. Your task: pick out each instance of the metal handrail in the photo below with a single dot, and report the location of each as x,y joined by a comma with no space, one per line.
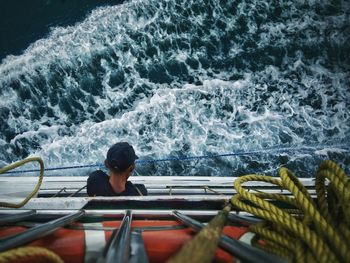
118,246
16,217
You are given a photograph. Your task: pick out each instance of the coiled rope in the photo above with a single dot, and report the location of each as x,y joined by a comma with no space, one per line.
316,231
312,231
36,189
29,253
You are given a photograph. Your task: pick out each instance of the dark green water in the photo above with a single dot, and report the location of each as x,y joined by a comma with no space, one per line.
176,78
23,22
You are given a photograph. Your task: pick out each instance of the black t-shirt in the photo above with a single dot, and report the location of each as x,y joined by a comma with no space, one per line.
98,185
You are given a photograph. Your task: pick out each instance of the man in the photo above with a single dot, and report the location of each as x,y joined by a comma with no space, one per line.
120,162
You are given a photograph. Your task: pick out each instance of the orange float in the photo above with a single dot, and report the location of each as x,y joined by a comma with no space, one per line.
82,243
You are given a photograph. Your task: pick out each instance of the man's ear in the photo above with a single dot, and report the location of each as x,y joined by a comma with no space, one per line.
131,168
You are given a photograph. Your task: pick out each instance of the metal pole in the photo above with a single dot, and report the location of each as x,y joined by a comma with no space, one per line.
243,220
16,217
37,232
237,248
138,252
118,246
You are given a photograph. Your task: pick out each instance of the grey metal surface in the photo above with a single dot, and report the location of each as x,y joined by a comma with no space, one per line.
138,252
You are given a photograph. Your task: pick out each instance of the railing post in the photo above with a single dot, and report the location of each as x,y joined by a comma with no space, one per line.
118,246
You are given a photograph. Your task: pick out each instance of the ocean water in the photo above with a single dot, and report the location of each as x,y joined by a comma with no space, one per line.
183,78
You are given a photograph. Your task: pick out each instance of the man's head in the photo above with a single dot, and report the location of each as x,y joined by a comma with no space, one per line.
121,157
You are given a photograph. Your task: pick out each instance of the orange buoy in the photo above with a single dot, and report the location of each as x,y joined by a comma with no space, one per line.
84,242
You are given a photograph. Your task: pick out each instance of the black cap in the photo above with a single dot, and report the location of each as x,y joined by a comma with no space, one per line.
121,155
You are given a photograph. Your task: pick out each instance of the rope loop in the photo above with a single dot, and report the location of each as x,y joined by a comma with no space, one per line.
321,234
37,187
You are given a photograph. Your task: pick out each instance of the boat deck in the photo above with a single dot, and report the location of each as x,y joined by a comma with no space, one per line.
164,193
62,204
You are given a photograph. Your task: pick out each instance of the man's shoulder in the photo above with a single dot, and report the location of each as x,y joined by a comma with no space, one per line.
137,188
97,175
98,184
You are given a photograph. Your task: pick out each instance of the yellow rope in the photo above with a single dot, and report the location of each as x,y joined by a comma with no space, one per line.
322,234
201,248
14,255
36,189
17,254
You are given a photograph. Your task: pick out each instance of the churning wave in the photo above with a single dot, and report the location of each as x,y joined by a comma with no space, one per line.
183,78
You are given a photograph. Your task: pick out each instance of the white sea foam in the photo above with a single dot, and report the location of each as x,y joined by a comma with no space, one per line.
181,78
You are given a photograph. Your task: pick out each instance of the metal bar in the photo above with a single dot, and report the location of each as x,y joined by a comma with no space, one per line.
79,190
166,191
138,252
193,198
237,248
243,220
60,191
92,226
139,213
118,246
37,232
16,217
146,228
63,180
